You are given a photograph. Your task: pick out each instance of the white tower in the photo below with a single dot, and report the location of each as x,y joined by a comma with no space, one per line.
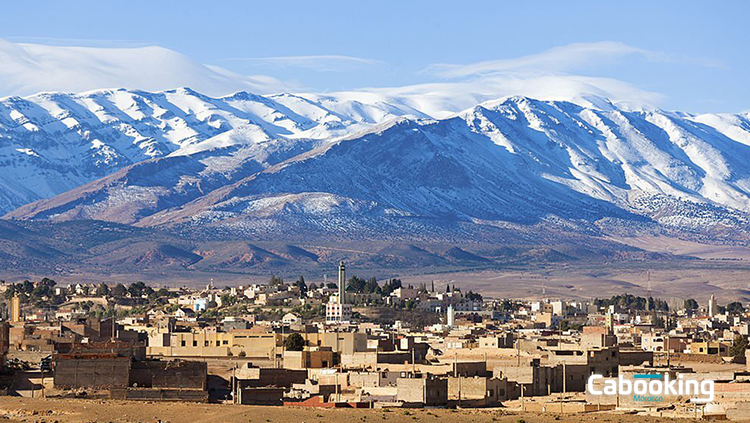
337,310
342,283
713,309
450,319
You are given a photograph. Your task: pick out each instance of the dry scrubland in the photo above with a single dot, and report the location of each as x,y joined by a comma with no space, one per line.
671,281
67,411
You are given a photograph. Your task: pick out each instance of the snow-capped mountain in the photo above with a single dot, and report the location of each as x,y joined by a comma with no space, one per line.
52,143
514,161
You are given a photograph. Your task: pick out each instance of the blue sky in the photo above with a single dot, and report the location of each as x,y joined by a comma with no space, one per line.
692,54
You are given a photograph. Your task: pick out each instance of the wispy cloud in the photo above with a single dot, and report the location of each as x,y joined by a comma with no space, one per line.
318,63
30,68
79,42
566,58
442,99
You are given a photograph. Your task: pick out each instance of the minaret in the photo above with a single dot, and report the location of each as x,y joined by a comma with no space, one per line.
609,323
712,307
15,309
342,283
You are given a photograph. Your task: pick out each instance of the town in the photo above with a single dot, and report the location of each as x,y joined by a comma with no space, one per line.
364,343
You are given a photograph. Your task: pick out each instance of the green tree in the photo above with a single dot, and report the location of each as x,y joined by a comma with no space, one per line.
302,285
691,304
474,296
228,300
102,289
739,346
294,342
138,289
355,284
735,307
390,286
47,282
276,280
10,292
119,291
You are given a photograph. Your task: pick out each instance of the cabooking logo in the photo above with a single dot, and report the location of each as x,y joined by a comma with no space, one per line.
653,387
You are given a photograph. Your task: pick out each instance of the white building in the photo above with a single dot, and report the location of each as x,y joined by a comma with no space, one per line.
200,304
337,310
290,318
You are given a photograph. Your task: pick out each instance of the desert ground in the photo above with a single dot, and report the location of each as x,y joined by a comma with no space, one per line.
16,409
673,281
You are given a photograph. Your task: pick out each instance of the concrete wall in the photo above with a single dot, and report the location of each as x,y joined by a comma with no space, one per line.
373,379
92,373
260,396
309,359
422,391
636,358
487,391
469,368
257,377
159,394
168,374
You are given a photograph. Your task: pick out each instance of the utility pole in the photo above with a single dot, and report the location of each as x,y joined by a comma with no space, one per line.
564,388
234,383
459,391
455,364
338,394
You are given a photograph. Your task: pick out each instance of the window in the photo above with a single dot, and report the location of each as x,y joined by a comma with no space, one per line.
225,342
195,343
182,343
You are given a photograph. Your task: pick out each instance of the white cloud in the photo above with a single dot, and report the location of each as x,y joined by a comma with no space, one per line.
558,59
30,68
442,99
549,75
545,76
319,63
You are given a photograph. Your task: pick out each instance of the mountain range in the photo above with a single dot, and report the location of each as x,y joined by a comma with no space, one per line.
299,167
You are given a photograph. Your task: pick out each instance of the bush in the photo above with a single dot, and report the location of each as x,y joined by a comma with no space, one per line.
294,342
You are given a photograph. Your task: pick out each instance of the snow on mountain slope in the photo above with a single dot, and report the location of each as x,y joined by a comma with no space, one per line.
513,160
52,142
297,162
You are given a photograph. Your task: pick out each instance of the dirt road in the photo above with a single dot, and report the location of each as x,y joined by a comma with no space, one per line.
17,409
